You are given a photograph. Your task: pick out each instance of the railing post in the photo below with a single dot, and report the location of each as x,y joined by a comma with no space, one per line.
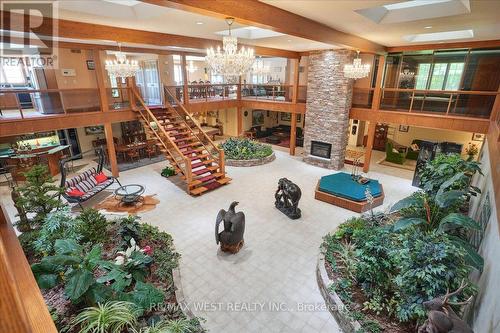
222,162
238,92
19,105
295,93
185,79
100,77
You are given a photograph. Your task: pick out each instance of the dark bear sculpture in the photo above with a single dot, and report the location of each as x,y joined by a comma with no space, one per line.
287,198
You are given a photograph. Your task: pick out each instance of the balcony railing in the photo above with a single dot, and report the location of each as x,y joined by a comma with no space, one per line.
470,104
278,93
212,92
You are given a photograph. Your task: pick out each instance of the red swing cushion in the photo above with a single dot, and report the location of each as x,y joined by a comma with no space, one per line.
74,192
100,178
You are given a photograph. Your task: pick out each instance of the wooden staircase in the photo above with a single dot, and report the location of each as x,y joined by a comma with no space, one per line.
188,149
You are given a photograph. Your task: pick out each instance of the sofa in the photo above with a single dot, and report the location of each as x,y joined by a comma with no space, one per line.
392,156
413,154
88,184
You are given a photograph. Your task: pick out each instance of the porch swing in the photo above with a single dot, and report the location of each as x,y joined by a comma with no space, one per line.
86,185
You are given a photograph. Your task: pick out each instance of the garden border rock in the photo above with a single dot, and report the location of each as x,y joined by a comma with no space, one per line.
332,300
250,163
179,294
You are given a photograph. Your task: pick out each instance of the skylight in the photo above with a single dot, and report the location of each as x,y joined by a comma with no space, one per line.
411,4
128,3
250,33
440,36
408,11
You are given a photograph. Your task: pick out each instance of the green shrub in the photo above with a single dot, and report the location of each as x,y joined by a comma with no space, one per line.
57,225
173,326
446,167
163,251
109,317
244,149
93,226
128,228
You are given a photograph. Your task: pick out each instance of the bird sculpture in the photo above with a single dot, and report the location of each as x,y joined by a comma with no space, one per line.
231,238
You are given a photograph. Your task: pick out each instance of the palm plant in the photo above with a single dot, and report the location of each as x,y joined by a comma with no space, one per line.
170,326
109,317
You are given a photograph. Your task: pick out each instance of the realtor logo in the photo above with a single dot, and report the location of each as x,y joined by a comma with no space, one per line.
28,30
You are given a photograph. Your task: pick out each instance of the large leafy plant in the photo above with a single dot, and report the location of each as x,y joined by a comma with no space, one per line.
76,267
58,225
449,172
128,228
93,226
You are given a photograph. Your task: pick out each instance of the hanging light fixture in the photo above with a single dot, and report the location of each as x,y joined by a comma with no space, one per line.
356,70
259,67
230,62
122,67
406,75
191,68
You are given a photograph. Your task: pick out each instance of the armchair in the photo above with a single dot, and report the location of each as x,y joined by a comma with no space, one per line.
392,156
413,154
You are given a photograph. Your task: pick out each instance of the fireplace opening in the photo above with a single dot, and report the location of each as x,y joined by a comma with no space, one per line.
321,149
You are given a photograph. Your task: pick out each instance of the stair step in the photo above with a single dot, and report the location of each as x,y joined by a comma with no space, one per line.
202,163
201,171
198,190
197,157
192,151
206,178
184,139
224,180
172,135
192,144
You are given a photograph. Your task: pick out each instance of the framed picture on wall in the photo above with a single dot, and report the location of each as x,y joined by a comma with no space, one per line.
404,128
285,116
93,130
477,137
257,118
90,65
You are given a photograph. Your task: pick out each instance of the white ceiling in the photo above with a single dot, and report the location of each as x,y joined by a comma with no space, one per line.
483,19
148,17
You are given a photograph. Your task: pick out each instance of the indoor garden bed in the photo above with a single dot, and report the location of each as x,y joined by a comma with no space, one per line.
384,266
98,274
246,152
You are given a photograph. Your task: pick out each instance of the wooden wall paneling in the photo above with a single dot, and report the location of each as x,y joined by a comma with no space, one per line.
293,133
25,309
442,46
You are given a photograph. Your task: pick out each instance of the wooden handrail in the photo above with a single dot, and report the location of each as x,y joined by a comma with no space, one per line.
200,130
186,170
20,91
455,92
22,307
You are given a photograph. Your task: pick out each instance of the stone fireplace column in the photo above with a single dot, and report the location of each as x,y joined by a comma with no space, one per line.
329,96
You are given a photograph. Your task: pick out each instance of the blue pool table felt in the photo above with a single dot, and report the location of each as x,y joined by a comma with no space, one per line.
341,185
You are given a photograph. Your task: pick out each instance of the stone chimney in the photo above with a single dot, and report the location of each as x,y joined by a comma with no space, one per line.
329,96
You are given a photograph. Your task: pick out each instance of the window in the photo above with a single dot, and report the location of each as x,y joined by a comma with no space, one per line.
12,73
438,76
454,76
422,76
115,93
178,74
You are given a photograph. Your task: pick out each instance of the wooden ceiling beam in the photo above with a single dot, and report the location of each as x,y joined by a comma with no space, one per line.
263,15
444,46
81,30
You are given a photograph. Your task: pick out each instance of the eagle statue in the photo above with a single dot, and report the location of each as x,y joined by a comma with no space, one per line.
231,238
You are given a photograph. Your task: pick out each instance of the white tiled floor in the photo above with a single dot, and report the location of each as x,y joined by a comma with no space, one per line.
276,267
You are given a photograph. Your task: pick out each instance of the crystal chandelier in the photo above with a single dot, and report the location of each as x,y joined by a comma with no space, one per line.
230,62
259,67
122,67
406,75
356,70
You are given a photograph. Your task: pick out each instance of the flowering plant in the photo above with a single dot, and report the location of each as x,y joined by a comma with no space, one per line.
471,149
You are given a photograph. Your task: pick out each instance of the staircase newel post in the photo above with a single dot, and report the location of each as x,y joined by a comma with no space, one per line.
222,162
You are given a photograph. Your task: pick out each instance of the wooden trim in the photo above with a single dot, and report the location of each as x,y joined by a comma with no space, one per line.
239,114
62,121
355,206
293,133
375,108
81,30
296,81
274,106
263,15
100,75
440,46
22,307
110,144
185,80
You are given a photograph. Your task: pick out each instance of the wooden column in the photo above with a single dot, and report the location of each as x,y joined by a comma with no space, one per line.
131,88
100,74
239,115
238,92
185,82
108,131
377,93
296,81
293,133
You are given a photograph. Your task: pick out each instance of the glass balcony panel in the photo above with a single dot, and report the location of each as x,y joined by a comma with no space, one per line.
474,106
395,100
362,98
